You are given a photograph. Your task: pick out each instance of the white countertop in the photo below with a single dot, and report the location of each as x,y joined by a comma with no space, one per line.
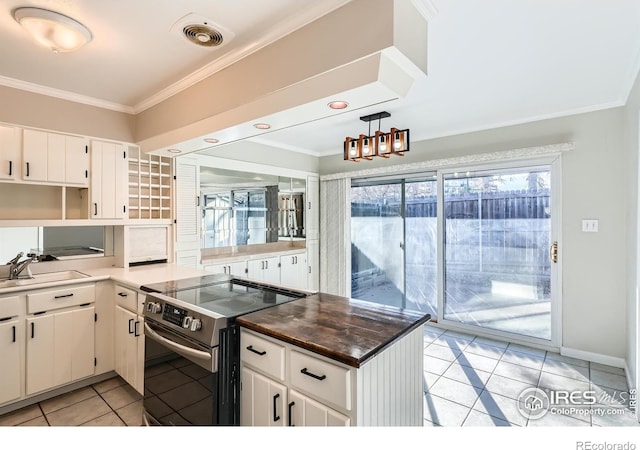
133,277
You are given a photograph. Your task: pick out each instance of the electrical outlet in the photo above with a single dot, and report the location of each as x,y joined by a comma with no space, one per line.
590,225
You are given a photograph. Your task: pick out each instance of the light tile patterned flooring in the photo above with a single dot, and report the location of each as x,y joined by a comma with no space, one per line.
108,403
474,381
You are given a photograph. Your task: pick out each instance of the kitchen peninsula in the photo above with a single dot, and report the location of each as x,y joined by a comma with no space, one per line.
332,361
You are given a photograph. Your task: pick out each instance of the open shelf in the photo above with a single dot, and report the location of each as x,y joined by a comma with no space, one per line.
149,185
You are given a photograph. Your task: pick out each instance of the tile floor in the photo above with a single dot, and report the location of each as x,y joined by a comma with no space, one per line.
468,381
108,403
474,381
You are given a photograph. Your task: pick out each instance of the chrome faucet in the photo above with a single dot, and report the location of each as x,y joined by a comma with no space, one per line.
17,266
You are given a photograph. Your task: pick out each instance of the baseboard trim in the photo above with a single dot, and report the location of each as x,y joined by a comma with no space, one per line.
594,357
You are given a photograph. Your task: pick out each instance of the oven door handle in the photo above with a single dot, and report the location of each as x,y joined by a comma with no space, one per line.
174,346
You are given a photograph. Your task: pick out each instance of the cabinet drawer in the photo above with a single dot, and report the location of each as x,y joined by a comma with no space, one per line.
323,379
9,307
262,354
127,298
60,298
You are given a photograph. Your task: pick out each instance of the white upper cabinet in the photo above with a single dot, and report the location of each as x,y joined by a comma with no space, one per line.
34,155
10,160
76,161
109,181
55,158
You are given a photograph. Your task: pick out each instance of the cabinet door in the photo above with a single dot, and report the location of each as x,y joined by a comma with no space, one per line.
293,271
217,268
262,400
56,148
108,180
129,347
10,160
312,208
11,374
82,343
313,265
266,269
124,323
40,354
76,161
307,412
34,155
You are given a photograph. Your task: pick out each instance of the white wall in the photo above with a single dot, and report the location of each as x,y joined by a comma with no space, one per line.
632,147
595,186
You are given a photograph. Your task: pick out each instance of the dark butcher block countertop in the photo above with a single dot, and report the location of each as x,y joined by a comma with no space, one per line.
346,330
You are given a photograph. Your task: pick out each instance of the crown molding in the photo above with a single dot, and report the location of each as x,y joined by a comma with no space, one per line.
63,95
281,29
310,14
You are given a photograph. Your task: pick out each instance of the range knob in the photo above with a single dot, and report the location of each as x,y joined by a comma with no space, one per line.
196,324
154,307
186,322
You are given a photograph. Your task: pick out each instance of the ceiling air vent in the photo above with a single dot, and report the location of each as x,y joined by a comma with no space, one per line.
203,35
201,31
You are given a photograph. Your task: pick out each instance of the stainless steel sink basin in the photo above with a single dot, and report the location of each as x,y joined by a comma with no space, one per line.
44,278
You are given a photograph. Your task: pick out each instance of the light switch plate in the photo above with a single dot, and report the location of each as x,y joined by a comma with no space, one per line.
590,225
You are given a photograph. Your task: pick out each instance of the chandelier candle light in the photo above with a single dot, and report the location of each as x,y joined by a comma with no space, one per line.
382,144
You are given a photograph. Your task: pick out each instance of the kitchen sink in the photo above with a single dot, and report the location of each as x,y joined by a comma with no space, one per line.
40,278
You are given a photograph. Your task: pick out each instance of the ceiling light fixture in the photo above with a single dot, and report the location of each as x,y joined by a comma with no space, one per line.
383,144
338,105
211,140
53,30
262,126
174,150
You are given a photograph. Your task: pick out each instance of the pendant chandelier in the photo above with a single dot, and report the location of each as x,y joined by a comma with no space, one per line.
382,144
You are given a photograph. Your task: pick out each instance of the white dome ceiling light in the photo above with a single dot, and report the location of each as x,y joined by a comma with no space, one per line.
53,30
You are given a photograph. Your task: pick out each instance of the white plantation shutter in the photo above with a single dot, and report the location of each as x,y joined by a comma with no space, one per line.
187,210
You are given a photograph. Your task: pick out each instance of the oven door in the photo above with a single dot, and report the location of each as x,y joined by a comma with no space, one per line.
180,385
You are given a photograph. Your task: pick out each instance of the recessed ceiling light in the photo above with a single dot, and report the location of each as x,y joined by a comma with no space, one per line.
338,105
262,126
174,150
211,140
53,30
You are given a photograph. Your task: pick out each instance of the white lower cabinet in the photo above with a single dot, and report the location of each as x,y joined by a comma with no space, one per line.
307,412
264,269
269,395
262,401
11,335
129,337
60,348
236,268
293,270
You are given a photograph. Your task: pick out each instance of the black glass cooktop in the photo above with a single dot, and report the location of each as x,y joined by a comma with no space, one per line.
226,296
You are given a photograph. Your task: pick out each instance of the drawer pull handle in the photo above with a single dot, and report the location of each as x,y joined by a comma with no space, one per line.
122,294
276,417
63,296
130,322
291,414
313,375
257,352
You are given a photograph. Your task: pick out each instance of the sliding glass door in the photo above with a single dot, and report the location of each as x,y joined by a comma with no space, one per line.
497,240
394,242
472,248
